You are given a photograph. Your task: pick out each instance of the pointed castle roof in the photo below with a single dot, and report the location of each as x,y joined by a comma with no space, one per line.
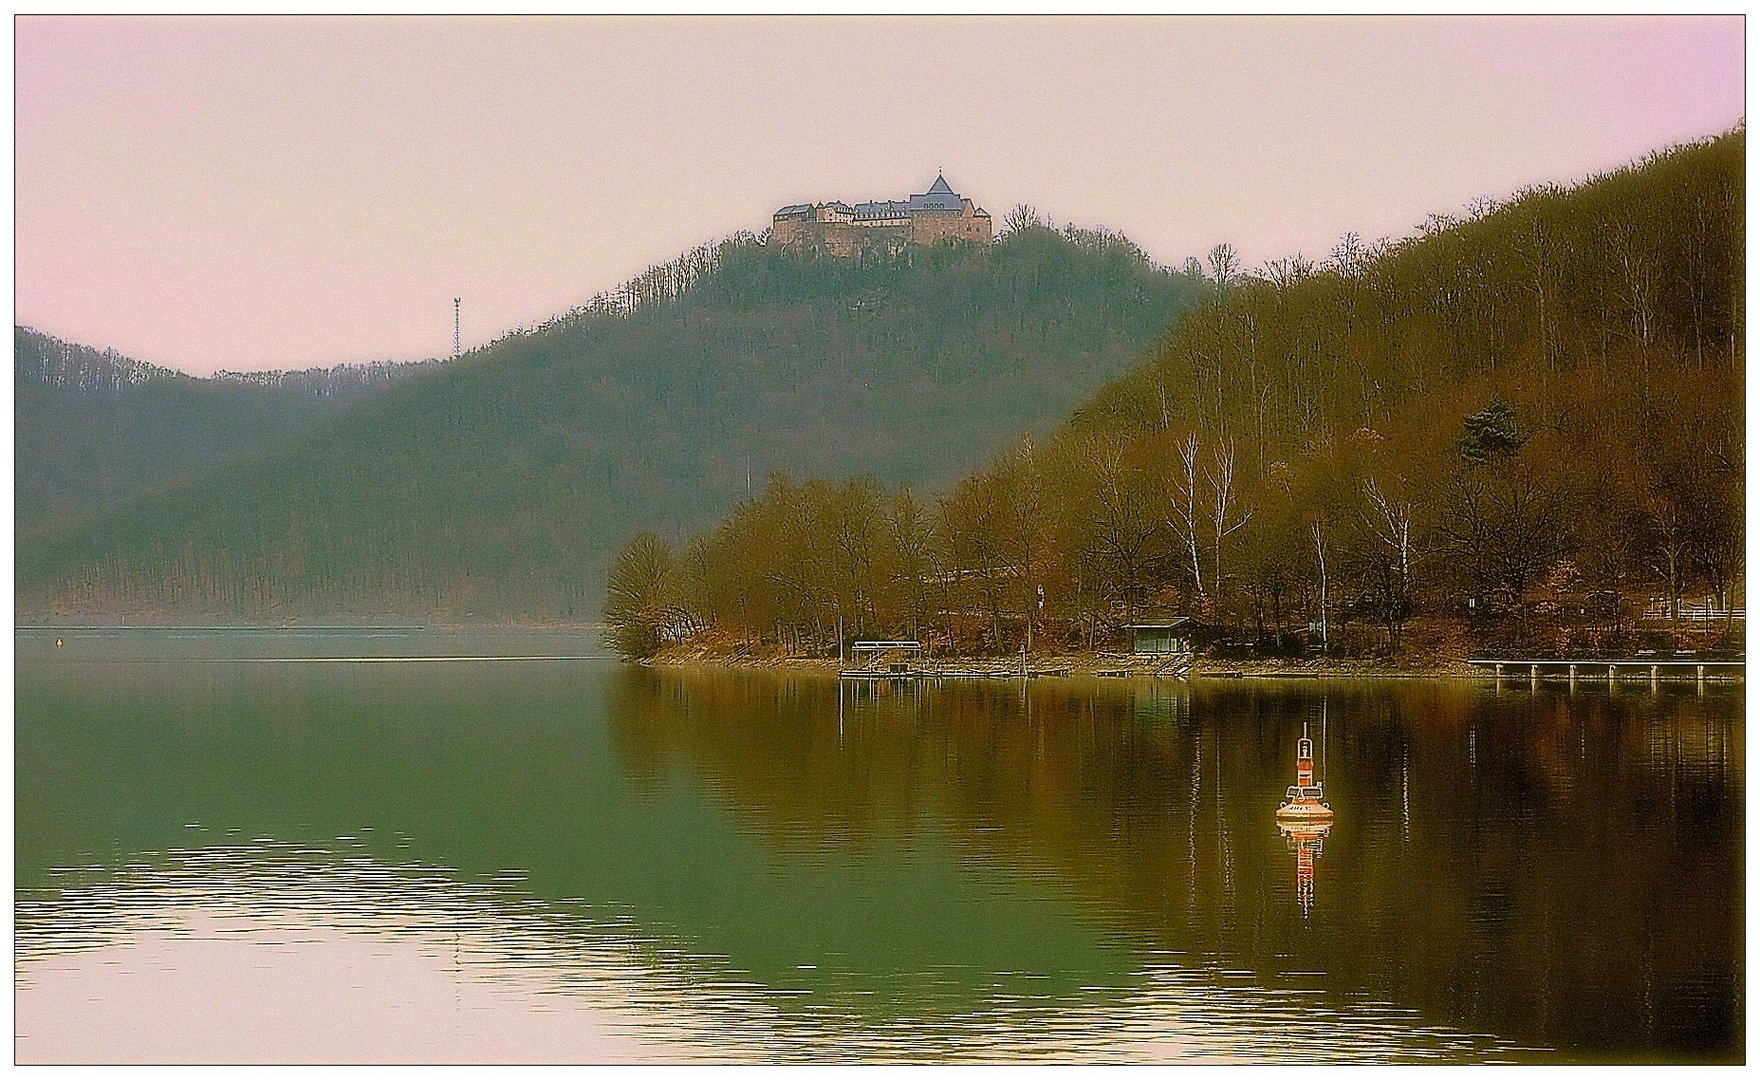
939,198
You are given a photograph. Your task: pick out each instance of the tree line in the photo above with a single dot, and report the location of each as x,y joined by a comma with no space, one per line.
1520,428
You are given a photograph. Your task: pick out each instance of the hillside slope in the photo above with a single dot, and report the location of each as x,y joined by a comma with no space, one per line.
497,485
93,429
1525,426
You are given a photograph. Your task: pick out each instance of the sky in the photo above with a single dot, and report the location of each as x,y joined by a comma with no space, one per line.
251,193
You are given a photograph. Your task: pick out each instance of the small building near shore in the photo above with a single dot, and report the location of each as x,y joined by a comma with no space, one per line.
1153,636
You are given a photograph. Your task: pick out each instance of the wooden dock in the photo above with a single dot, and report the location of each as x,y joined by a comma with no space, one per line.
1651,669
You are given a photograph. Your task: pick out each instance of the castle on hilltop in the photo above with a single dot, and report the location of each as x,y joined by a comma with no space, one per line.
938,215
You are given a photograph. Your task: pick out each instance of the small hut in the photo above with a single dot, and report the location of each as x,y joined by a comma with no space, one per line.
1159,636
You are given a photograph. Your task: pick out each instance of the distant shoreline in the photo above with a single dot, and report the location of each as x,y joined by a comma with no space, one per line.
1142,667
1040,665
1096,664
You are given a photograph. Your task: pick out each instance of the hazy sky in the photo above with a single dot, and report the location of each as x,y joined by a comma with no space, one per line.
251,193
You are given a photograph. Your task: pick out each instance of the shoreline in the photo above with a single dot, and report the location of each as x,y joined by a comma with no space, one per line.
1102,665
1126,667
1123,666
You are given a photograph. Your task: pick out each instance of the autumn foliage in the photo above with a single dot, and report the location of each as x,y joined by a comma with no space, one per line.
1524,424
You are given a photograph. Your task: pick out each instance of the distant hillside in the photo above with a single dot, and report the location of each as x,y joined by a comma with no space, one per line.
497,485
1522,426
93,429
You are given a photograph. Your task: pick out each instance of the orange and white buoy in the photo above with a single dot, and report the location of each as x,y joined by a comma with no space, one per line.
1304,819
1305,800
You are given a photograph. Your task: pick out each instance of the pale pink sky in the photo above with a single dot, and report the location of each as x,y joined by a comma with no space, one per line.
250,193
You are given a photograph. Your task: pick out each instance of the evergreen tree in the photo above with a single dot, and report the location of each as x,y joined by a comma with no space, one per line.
1490,434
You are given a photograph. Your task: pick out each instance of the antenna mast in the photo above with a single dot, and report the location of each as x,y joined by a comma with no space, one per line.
457,301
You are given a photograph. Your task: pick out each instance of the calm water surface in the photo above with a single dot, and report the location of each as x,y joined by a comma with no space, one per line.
560,858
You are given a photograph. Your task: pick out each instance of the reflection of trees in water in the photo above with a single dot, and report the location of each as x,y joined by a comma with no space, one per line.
1570,880
1577,884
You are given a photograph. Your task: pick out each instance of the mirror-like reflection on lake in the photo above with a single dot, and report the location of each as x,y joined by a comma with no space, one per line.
548,857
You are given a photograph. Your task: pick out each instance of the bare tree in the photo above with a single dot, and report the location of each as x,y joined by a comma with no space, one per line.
1225,515
638,596
1389,522
1671,542
1023,511
1349,257
1284,273
1225,267
910,527
1185,508
1509,525
1639,276
1481,206
1121,529
1024,216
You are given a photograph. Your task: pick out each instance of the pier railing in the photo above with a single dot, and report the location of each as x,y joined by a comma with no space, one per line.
1652,668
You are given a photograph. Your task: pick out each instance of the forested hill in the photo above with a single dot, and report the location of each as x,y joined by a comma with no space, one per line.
1523,426
497,486
93,428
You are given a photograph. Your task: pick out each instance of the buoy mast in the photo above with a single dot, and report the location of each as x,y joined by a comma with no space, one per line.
1305,760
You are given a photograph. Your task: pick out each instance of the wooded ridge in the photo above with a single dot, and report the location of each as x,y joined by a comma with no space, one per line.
497,486
93,429
1521,428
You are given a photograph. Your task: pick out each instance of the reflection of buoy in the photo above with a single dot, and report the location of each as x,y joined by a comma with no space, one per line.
1305,799
1304,819
1304,839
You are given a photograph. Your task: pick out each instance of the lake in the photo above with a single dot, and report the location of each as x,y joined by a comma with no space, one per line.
233,846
